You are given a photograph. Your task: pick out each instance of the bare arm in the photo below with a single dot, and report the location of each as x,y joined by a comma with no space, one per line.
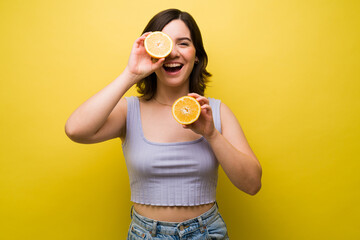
103,116
230,148
235,155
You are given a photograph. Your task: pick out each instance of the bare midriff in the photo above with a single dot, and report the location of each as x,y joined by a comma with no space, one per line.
171,213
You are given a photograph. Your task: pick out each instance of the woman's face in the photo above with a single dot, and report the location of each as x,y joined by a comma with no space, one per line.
179,64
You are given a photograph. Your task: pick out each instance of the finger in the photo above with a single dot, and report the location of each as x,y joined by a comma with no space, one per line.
141,39
145,35
201,99
159,63
139,42
198,96
194,95
206,109
189,126
206,106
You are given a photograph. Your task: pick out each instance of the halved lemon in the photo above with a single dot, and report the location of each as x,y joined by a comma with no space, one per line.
158,44
186,110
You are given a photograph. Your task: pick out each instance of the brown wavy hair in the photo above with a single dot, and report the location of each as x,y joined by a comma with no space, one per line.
199,76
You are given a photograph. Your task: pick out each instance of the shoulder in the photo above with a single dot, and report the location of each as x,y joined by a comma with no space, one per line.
229,121
225,109
224,118
233,132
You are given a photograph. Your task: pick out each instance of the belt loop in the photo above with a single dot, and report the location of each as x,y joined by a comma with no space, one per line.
153,231
131,211
201,227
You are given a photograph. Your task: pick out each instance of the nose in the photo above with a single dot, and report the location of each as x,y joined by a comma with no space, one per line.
174,53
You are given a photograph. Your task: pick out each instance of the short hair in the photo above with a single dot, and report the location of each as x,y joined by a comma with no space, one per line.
199,75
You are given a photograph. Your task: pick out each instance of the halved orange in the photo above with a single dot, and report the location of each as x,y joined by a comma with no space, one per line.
158,44
186,110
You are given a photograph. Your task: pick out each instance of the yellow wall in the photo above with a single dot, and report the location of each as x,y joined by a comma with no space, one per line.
288,69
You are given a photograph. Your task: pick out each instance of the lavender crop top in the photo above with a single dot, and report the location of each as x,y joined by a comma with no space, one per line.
169,174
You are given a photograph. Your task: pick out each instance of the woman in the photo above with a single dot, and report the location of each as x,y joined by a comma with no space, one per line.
172,168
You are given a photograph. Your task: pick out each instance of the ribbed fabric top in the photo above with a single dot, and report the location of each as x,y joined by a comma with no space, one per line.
169,174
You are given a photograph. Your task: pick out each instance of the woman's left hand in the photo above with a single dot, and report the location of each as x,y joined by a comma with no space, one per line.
231,148
205,123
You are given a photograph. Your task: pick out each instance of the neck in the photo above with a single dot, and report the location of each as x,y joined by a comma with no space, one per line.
161,103
166,95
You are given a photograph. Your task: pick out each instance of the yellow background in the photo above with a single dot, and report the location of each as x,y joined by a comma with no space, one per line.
289,70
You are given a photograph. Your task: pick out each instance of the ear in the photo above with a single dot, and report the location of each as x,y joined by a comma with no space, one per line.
196,60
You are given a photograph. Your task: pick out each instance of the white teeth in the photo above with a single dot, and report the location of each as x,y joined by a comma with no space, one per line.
172,65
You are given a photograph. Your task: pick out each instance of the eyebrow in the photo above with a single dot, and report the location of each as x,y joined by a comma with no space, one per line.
184,38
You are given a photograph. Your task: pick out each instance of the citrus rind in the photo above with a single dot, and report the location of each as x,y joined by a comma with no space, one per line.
191,106
156,34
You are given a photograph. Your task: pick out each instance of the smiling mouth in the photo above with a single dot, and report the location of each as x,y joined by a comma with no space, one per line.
173,67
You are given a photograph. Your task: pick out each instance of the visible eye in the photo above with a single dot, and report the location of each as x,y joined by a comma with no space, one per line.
184,44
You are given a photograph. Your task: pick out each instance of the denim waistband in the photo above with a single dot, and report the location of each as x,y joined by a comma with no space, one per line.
175,228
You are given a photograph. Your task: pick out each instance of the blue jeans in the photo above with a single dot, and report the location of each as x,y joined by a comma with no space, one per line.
209,225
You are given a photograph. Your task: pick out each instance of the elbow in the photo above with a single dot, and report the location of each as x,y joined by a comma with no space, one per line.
255,189
253,185
79,136
251,188
73,133
256,186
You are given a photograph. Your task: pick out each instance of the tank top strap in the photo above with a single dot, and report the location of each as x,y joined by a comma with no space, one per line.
215,107
132,118
132,110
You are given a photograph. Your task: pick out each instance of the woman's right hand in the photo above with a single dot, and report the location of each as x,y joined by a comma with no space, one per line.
103,116
140,64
